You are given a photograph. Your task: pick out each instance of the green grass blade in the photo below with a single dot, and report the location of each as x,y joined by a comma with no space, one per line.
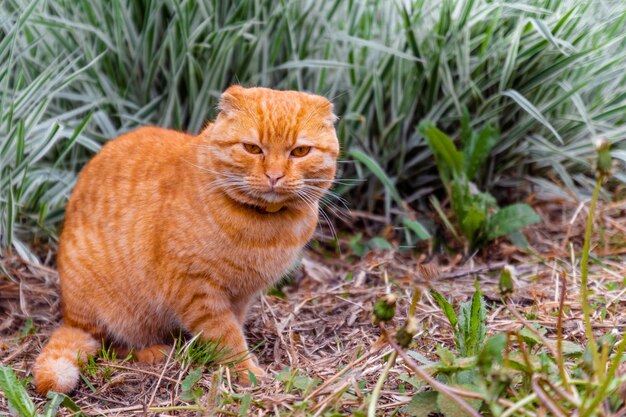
532,110
16,394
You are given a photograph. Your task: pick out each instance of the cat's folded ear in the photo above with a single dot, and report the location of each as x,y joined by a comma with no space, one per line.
327,107
230,101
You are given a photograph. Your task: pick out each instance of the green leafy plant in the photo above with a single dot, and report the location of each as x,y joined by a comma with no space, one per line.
190,391
294,380
477,215
22,405
469,325
360,246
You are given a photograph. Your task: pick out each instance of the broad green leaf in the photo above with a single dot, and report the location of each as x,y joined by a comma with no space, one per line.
15,393
492,352
477,328
379,243
505,284
54,402
419,357
511,219
450,408
446,307
423,404
473,221
357,245
445,355
71,405
416,227
518,239
284,375
569,348
414,381
449,159
191,379
305,383
530,337
245,404
478,149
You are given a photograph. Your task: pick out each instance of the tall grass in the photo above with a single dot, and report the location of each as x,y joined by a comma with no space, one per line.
73,74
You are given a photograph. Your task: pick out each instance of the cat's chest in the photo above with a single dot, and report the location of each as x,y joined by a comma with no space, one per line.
248,256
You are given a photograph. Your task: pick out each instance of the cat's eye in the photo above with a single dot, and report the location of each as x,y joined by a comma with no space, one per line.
254,149
300,151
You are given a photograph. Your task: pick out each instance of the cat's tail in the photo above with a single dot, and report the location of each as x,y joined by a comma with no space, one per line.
56,367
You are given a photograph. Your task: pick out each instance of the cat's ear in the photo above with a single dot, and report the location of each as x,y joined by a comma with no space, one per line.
230,101
326,108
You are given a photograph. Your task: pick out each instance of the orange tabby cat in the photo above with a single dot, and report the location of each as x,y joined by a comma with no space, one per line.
167,231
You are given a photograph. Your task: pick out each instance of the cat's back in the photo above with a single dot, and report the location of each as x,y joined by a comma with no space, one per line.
125,166
118,190
144,146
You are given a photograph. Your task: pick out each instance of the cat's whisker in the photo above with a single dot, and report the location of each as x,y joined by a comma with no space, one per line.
322,213
343,181
323,193
336,210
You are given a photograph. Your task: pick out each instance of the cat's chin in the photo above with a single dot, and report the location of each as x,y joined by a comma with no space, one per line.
258,205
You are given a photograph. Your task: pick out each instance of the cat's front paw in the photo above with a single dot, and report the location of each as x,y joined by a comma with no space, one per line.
243,370
154,354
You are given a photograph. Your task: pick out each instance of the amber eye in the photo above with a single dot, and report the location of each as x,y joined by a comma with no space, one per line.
300,151
254,149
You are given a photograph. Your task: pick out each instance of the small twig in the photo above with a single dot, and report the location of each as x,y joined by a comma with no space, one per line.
20,349
338,375
472,271
416,297
545,400
561,393
584,274
178,407
453,393
127,368
337,392
559,338
521,403
156,387
211,402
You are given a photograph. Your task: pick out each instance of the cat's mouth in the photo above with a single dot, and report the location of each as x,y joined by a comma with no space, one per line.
261,207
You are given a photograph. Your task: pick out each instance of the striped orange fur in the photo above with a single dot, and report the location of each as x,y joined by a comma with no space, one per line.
167,231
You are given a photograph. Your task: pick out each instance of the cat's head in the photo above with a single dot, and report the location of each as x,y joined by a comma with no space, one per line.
272,148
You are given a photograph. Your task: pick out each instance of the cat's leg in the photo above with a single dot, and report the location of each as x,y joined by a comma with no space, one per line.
240,308
214,319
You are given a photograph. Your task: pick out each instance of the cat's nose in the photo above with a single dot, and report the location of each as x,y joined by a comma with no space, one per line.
274,177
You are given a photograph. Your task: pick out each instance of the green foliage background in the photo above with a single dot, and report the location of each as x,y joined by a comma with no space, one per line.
548,74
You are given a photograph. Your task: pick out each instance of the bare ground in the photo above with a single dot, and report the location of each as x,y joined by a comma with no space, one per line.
322,329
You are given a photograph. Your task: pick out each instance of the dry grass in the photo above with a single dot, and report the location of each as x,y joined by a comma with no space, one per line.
323,329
